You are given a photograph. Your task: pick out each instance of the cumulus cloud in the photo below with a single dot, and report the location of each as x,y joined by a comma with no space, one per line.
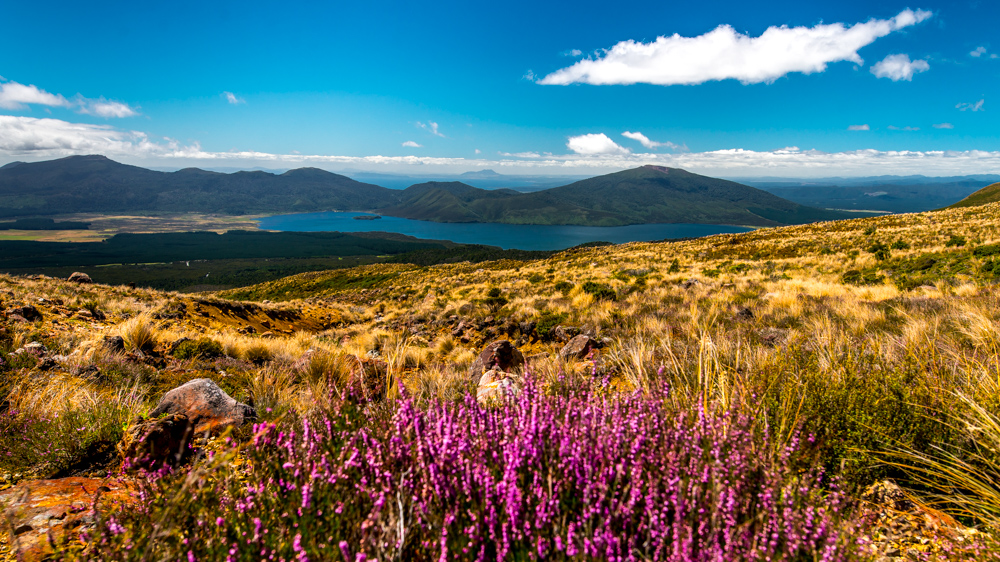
233,98
943,126
978,52
598,143
573,53
104,108
431,127
31,139
650,144
412,144
724,54
864,127
899,67
977,106
17,96
895,128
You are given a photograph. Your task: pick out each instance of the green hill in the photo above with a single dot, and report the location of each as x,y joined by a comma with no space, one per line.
988,194
95,184
648,194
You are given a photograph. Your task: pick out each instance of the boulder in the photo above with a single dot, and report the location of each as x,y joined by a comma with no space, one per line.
566,333
500,354
496,386
39,513
82,278
207,407
745,314
153,443
114,344
579,348
28,312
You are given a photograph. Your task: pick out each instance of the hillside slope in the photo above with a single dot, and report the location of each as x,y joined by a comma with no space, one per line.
95,184
642,195
988,194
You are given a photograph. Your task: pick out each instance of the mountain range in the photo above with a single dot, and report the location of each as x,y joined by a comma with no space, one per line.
649,194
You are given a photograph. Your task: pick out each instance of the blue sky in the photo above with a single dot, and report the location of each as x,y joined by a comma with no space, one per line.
788,88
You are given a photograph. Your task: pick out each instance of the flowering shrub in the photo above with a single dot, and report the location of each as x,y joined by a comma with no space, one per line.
577,476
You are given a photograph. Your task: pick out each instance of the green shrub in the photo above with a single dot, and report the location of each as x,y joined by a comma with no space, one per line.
862,277
548,322
900,245
495,300
563,287
599,291
956,241
880,249
536,278
675,266
201,348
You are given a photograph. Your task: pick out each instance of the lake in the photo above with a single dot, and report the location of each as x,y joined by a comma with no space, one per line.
522,237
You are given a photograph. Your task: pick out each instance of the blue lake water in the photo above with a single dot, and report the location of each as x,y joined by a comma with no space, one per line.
523,237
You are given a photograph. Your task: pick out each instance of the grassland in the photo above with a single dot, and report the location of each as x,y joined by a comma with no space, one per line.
816,361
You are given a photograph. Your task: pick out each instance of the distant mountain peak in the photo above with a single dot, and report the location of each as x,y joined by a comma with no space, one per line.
481,175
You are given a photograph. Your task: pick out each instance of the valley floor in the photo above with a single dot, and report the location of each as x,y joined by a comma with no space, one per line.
827,391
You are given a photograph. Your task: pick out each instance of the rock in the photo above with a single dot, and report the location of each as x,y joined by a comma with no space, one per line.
34,347
528,327
62,508
500,354
690,283
496,386
153,443
566,333
773,337
208,407
82,278
177,343
579,348
745,314
114,344
27,312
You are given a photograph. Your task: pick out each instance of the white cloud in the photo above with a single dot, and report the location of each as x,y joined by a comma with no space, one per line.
430,126
233,98
650,144
943,126
520,154
724,54
104,108
529,76
32,139
573,53
598,143
977,106
412,144
899,67
978,52
479,151
18,96
895,128
864,127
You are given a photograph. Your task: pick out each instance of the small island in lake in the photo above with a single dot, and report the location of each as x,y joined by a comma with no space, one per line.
367,217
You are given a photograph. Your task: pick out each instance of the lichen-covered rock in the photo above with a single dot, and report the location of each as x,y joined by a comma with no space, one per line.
208,407
26,312
500,354
579,348
153,443
496,386
62,508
